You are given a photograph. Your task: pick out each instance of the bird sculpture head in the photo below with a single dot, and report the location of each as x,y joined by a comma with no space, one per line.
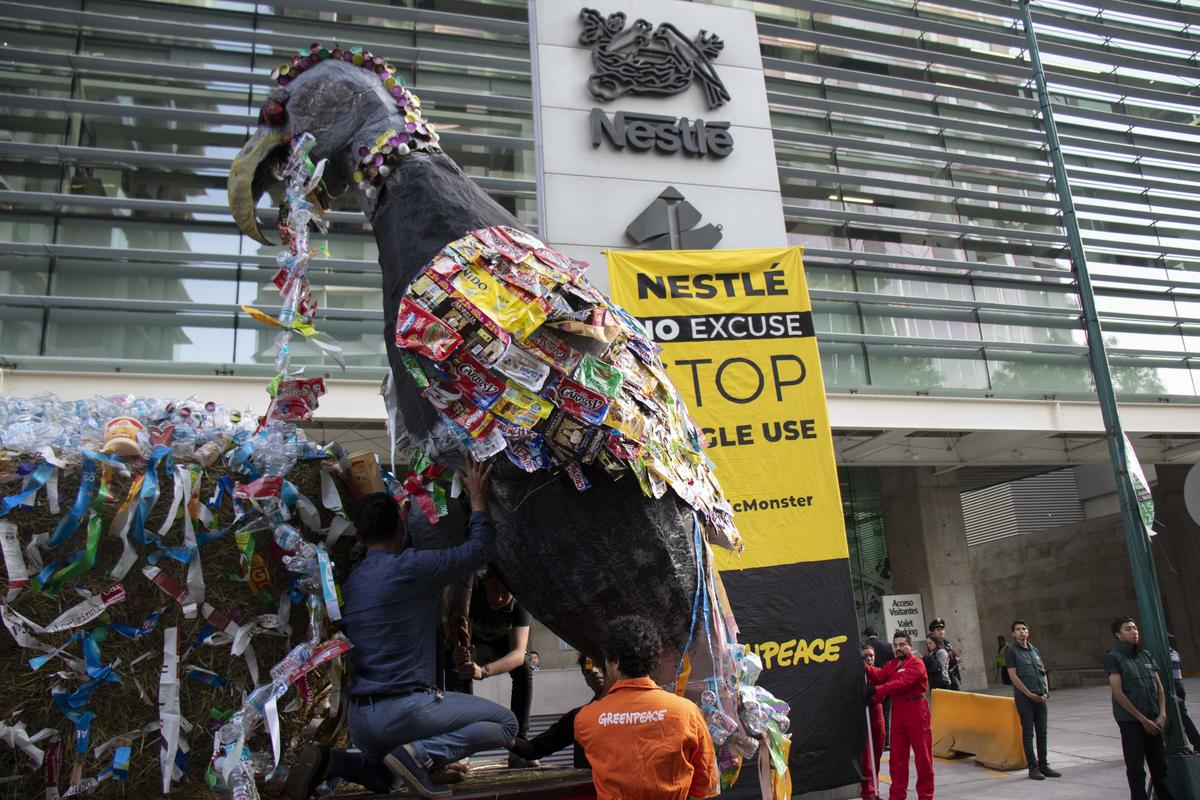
356,107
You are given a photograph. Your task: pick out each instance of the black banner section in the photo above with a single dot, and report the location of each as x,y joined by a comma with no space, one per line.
800,619
729,327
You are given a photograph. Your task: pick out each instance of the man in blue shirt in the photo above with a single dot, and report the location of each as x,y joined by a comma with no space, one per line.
404,727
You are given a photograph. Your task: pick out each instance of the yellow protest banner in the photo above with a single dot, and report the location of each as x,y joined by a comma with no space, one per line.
737,336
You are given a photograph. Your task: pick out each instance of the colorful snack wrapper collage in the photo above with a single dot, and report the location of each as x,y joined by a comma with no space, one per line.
519,353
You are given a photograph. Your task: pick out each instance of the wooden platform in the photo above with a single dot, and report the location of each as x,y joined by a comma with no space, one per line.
492,782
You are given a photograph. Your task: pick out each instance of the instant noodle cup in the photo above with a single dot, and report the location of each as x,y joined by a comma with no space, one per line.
363,476
121,435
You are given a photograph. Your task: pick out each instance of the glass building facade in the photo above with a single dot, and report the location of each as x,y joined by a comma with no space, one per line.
912,162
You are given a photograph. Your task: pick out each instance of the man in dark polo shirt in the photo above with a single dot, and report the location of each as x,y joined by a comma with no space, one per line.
1140,708
1031,692
496,641
404,727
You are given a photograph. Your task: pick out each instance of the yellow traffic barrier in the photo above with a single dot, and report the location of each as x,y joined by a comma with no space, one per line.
982,725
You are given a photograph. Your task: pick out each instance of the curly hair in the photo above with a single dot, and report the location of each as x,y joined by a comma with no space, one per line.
633,643
376,517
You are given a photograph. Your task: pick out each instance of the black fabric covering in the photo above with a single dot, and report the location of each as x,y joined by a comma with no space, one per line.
807,601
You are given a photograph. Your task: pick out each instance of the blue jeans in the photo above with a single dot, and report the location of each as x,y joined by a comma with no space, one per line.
438,728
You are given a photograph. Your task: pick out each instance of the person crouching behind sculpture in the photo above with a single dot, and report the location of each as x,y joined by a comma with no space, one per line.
404,728
643,743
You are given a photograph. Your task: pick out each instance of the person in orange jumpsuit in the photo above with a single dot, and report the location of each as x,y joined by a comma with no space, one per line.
903,679
873,747
644,743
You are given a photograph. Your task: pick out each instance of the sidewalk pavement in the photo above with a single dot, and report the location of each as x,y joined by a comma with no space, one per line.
1084,746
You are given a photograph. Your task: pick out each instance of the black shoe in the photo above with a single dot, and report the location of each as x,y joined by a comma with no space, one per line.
1035,774
516,761
413,775
1049,773
307,773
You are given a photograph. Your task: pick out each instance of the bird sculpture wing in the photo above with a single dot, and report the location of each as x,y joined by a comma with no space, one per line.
520,354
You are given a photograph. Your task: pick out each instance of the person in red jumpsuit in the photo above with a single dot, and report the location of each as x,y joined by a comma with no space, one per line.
873,747
903,679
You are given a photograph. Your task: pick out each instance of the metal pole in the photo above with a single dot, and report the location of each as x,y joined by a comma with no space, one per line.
1137,542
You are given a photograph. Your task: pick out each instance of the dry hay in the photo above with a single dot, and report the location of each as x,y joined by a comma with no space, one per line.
120,708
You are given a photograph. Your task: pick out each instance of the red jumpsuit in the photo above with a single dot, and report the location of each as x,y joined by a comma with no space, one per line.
873,750
905,682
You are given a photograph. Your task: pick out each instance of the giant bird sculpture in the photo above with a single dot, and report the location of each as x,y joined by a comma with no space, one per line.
575,558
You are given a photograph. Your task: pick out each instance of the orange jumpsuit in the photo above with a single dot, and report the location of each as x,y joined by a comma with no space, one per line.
905,682
647,744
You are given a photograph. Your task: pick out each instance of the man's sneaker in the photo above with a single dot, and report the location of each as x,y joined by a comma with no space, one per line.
413,775
307,773
1049,773
1036,775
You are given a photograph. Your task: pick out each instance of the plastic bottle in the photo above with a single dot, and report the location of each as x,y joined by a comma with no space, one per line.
300,564
291,663
210,451
282,356
287,537
242,782
742,745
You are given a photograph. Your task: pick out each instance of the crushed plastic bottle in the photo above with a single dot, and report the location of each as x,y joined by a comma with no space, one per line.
291,663
242,785
275,450
287,537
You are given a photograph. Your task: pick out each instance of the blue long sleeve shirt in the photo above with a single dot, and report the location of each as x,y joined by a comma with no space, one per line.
391,609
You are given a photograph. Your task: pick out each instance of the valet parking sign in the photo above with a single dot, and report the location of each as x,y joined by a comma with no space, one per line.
904,613
737,339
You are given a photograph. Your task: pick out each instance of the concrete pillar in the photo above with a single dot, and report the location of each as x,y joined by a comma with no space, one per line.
927,545
1177,558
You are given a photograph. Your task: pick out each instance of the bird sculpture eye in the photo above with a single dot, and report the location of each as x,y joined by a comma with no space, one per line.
273,113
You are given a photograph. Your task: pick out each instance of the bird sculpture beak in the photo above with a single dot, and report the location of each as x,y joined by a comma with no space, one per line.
251,174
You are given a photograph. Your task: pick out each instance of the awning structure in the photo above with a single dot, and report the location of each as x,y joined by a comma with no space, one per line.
870,430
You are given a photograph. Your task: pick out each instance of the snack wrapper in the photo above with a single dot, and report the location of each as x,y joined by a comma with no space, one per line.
522,367
422,332
512,312
475,381
530,454
577,399
574,438
595,374
554,351
522,407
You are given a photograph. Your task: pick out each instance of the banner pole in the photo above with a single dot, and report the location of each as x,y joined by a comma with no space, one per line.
1137,540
